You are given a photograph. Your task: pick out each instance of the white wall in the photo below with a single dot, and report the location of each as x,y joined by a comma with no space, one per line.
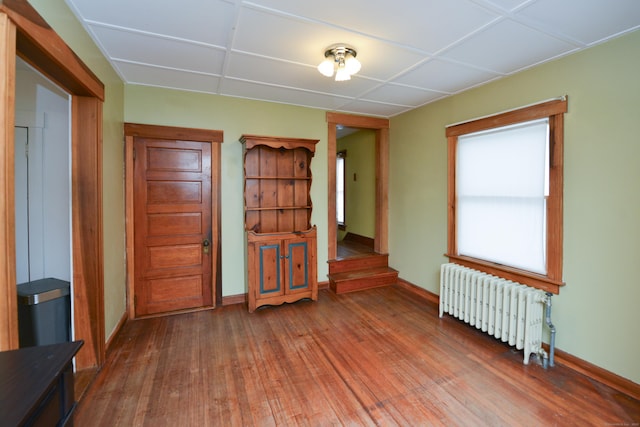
43,180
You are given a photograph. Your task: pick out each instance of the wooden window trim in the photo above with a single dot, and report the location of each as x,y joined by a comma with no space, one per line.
554,110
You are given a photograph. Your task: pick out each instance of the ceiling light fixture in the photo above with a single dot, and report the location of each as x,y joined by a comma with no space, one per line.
342,60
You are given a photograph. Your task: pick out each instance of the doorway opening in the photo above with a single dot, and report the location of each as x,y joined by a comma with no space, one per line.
26,35
355,191
357,271
380,130
42,178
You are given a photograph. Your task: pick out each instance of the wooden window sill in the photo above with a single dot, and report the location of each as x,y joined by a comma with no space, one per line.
528,278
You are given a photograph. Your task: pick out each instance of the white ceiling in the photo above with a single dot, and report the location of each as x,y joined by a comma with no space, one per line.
413,52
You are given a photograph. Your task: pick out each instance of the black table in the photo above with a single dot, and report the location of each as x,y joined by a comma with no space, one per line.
36,385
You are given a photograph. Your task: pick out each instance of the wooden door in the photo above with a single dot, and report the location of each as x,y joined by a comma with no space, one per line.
297,265
172,231
269,256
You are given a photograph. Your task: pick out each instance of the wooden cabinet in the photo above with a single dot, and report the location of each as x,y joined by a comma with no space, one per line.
282,268
280,239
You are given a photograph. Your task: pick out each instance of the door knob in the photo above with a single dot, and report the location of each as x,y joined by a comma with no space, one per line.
205,246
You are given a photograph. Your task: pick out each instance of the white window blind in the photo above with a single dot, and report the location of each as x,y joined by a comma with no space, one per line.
501,185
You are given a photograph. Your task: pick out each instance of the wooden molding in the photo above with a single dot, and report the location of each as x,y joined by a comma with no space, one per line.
86,222
357,238
418,291
39,45
364,122
115,332
128,216
596,373
172,133
332,222
8,293
216,220
234,299
323,285
527,278
531,112
382,191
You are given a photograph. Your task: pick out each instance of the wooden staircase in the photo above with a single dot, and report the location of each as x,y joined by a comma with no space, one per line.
361,272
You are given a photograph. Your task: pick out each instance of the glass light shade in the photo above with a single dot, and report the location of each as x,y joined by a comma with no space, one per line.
352,65
342,74
326,67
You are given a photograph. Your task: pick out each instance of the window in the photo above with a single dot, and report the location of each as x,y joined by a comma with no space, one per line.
505,194
340,189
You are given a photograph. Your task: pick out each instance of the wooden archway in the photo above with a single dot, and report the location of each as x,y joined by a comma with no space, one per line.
25,33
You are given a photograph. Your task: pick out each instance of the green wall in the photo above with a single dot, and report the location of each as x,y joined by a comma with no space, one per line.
61,19
596,312
360,196
236,117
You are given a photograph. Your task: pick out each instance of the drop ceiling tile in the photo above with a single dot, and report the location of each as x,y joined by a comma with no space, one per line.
445,76
597,20
289,74
270,48
152,76
136,47
207,21
291,39
507,47
373,108
423,24
250,90
508,5
401,95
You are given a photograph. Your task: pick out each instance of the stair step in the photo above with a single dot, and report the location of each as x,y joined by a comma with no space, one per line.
363,262
351,281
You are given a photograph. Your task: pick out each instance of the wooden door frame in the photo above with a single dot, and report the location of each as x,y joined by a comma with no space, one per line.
381,128
25,33
215,138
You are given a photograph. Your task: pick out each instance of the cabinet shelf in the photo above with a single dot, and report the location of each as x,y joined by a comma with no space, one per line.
277,183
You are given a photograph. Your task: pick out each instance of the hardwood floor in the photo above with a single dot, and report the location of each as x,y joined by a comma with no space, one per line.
346,249
376,357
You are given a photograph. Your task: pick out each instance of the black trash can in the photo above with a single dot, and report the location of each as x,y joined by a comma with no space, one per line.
44,312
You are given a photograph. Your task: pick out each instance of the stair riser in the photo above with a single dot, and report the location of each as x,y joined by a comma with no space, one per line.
344,286
360,263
